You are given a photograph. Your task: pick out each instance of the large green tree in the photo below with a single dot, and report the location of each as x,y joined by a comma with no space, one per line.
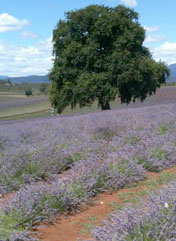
99,54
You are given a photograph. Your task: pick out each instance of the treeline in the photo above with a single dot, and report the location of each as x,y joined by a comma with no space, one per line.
33,89
170,84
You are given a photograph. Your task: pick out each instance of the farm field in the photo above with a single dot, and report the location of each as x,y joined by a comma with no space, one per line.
53,167
17,106
14,106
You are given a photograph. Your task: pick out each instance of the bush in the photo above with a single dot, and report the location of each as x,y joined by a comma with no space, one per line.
28,92
44,87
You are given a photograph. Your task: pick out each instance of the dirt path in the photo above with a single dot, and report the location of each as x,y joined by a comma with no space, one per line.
72,227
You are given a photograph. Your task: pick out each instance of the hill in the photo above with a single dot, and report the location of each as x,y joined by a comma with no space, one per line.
172,77
33,79
44,78
2,77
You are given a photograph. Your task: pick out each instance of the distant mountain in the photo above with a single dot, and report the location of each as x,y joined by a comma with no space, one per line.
44,78
172,77
30,79
2,77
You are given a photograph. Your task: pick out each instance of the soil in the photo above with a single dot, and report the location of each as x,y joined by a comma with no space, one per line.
73,227
4,199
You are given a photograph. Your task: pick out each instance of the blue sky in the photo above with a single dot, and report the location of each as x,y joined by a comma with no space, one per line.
26,30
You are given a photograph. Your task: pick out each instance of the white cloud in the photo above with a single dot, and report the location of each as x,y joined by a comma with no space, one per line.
151,29
10,23
28,34
165,52
154,38
29,51
24,61
1,47
130,3
20,59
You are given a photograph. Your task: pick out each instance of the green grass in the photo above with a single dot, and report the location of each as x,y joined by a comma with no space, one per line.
25,110
88,226
8,223
37,114
132,140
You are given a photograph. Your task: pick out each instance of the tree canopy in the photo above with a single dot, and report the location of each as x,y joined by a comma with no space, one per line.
99,54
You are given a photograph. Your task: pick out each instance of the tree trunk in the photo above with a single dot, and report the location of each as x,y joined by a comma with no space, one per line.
105,106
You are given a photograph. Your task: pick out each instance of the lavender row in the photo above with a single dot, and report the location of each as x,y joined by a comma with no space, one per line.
36,150
34,203
153,220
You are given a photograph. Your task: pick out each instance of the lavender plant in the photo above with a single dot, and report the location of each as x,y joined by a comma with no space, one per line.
153,220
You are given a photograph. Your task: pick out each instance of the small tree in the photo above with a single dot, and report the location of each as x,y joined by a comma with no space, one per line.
99,54
28,92
44,88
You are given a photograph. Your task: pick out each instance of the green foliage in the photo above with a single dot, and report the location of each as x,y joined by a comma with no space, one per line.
106,133
99,53
79,190
147,165
133,140
76,157
28,92
119,167
88,226
160,154
53,202
163,129
9,223
44,88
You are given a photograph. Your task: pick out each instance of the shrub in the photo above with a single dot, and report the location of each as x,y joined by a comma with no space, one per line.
28,92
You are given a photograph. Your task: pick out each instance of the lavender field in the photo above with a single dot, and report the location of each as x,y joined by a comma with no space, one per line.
55,165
